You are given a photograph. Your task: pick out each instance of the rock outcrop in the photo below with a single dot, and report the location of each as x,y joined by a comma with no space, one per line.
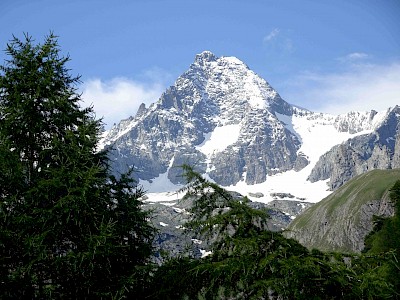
376,150
215,94
234,128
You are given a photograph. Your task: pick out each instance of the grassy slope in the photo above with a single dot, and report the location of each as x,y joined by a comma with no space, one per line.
341,220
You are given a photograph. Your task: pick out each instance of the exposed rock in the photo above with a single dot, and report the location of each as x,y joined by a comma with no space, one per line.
222,118
141,110
213,93
291,208
186,156
301,162
376,150
256,195
354,122
396,154
281,195
169,218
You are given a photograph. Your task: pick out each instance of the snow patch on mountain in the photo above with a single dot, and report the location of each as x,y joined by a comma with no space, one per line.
288,122
160,184
230,121
219,139
318,134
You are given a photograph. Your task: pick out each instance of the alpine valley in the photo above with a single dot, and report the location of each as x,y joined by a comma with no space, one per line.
233,127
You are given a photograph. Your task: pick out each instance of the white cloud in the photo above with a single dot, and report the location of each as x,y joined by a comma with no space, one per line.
119,98
353,57
278,41
272,35
361,87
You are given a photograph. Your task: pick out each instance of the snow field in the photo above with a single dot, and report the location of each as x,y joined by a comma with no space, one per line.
317,134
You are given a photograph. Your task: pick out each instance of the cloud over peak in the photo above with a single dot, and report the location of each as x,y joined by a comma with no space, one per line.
360,87
278,41
354,57
119,98
272,35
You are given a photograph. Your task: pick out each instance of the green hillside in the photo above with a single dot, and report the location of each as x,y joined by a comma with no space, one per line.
341,221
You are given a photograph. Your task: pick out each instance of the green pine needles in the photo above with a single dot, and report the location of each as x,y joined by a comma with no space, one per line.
68,228
250,262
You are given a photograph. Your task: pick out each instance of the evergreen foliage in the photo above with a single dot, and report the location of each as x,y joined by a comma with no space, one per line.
71,230
384,242
68,228
250,262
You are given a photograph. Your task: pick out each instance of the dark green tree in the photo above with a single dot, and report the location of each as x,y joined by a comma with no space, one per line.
383,243
250,262
386,233
68,229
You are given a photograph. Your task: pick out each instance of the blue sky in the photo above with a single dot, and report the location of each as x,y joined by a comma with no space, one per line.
331,56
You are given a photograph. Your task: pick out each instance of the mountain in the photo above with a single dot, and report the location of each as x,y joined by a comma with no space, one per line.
229,123
341,221
215,99
377,150
169,217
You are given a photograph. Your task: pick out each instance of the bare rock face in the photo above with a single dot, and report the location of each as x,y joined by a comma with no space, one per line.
232,126
187,156
354,122
141,110
396,154
301,162
215,94
376,150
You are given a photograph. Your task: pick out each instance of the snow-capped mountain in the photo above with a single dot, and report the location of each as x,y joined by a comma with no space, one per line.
231,125
379,149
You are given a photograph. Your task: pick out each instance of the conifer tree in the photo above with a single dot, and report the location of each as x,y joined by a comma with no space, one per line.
250,262
383,243
68,229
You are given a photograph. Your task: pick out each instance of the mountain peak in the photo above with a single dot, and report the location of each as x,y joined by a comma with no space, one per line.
226,119
205,56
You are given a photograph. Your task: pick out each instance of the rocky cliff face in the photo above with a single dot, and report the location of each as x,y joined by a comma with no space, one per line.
219,95
235,129
232,126
376,150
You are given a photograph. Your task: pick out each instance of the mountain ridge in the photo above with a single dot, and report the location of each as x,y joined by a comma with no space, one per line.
379,149
234,127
